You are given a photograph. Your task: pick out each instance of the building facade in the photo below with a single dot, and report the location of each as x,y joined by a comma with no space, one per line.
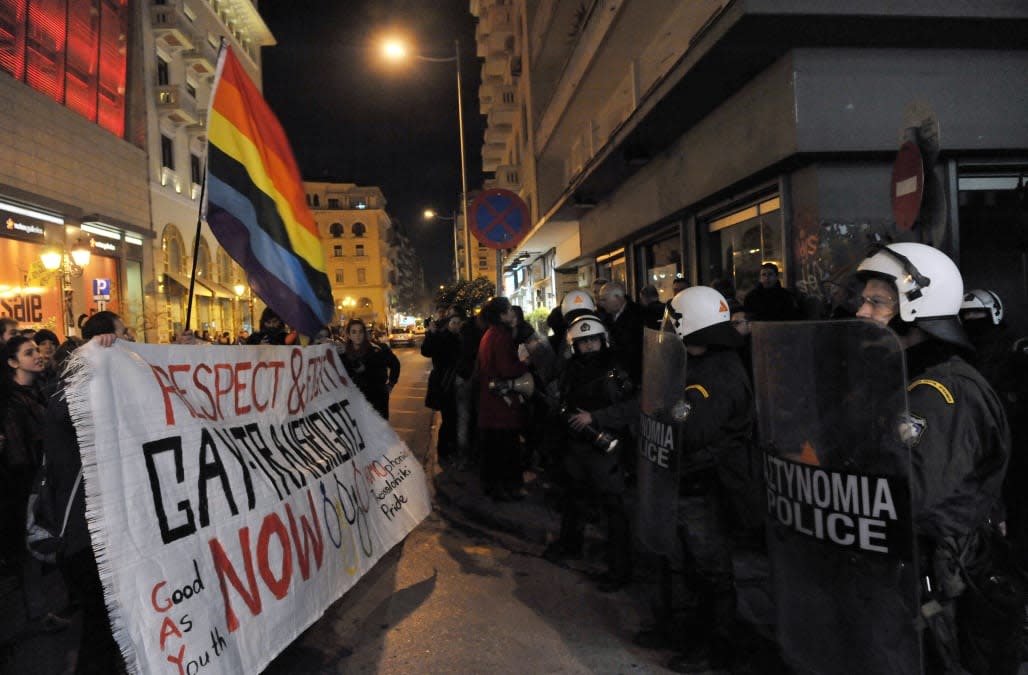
180,55
701,139
356,232
73,174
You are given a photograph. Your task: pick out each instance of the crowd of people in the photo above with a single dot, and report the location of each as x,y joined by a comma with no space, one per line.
568,403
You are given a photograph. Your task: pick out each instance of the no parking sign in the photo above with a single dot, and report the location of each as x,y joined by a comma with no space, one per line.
499,219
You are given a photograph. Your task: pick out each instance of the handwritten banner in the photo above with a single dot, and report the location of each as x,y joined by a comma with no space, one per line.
233,494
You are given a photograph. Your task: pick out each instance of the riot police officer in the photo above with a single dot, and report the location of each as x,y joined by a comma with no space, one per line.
716,440
595,404
958,438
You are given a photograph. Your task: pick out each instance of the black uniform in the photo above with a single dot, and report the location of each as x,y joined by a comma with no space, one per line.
960,445
716,464
595,383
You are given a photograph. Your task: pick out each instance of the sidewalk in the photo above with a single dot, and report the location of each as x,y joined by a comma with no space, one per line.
529,525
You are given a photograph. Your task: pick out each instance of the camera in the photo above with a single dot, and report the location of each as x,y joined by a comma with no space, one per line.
603,441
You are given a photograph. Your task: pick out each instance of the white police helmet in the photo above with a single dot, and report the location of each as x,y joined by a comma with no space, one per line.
701,316
929,285
576,303
586,326
983,300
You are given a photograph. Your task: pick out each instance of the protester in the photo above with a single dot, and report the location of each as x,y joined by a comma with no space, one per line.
21,459
442,345
501,412
374,369
98,653
8,329
595,402
959,441
47,342
272,330
653,308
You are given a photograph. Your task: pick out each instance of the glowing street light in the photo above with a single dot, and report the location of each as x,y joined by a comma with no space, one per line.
396,49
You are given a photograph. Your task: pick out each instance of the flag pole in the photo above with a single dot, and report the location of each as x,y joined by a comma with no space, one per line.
199,219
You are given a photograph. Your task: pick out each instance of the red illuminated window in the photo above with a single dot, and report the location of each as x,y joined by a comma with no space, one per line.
71,50
12,37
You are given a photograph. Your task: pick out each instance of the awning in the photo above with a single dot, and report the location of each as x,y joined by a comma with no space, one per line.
216,289
183,281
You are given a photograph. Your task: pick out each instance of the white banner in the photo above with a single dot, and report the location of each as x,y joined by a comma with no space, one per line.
233,494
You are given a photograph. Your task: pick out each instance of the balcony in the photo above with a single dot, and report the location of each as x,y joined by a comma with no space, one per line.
507,178
498,136
202,59
176,105
496,20
198,131
503,110
171,27
493,156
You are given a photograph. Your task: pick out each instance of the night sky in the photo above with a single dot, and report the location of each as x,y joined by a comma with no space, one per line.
350,116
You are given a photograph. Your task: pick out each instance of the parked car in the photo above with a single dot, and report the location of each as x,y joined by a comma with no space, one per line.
401,337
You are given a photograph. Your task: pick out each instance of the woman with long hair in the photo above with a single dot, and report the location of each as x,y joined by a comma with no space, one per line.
374,369
22,454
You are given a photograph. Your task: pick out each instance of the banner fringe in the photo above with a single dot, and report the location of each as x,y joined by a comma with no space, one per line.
78,374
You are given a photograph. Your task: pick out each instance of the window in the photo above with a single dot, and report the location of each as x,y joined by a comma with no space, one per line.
362,276
337,251
483,262
358,229
336,230
333,203
191,88
195,172
73,52
163,72
317,202
359,250
741,240
339,276
167,152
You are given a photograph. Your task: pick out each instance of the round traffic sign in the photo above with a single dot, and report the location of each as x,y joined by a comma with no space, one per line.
907,185
498,218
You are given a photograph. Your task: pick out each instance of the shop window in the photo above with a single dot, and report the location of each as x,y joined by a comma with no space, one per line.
660,262
174,250
740,241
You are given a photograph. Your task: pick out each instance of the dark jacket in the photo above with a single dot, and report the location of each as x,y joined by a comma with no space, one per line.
444,348
63,464
598,384
771,304
23,426
375,370
960,443
626,338
719,429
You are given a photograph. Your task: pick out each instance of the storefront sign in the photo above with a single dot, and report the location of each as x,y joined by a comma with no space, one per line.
22,227
233,496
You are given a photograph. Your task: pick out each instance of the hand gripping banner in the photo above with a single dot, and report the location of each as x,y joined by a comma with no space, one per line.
232,494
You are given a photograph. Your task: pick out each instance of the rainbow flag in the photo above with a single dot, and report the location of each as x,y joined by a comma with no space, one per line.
256,205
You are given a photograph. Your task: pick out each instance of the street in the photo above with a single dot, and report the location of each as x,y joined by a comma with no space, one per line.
452,598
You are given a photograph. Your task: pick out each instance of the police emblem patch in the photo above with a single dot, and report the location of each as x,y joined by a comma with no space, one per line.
911,427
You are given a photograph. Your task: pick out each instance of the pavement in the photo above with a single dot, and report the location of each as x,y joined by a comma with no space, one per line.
530,524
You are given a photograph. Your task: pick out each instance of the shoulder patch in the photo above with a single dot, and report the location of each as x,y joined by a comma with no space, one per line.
911,427
698,387
936,385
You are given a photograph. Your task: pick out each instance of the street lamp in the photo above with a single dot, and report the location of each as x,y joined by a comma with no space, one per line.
429,214
70,266
395,49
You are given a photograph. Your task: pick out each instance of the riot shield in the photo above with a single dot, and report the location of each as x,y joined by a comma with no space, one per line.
661,403
831,405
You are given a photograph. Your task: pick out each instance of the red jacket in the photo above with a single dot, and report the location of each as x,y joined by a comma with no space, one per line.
497,359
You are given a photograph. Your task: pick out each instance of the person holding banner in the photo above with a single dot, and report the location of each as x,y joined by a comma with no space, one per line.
716,440
957,433
97,653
